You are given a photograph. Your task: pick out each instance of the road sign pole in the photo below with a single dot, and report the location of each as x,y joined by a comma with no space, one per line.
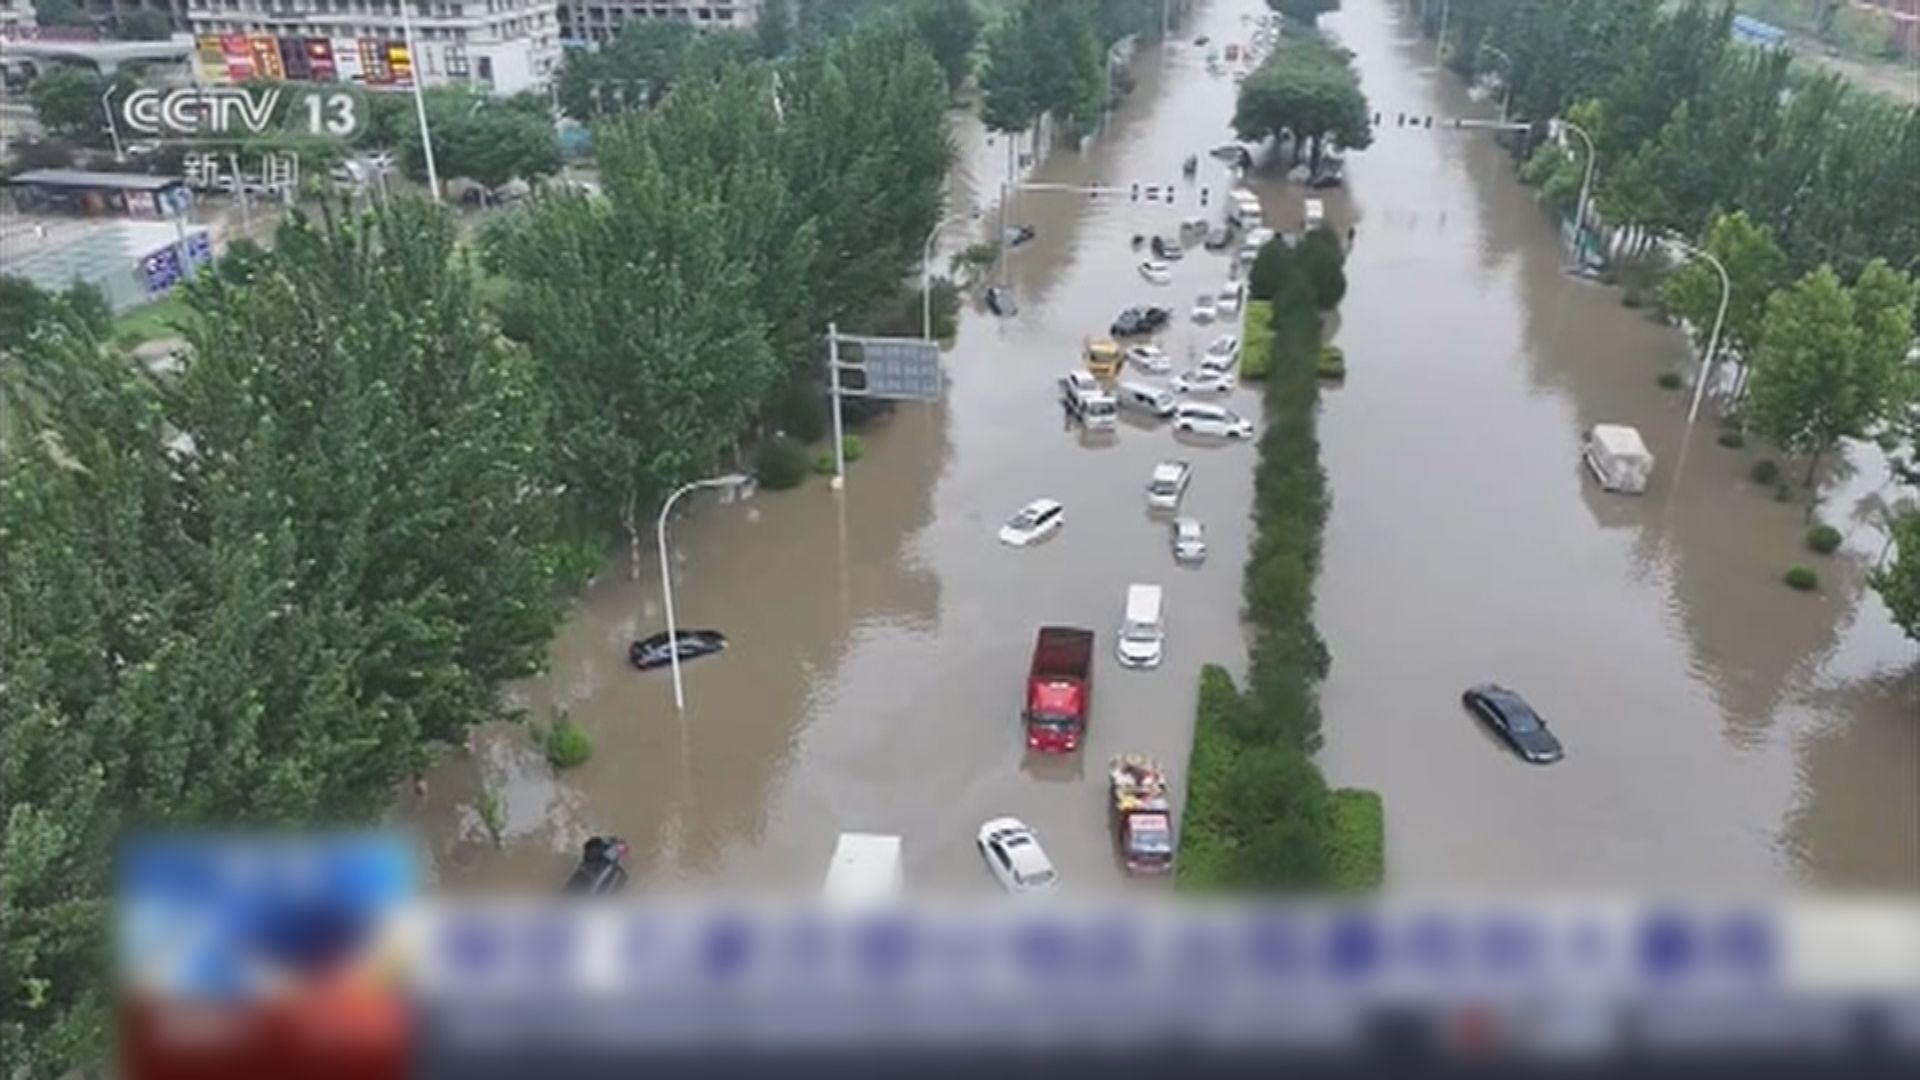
833,380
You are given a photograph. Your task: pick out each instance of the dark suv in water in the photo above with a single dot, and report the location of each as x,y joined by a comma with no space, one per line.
1136,321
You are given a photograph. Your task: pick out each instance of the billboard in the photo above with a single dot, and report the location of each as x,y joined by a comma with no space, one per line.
223,59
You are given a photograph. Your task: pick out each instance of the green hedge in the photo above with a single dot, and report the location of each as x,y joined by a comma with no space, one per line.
1256,339
1259,815
1359,839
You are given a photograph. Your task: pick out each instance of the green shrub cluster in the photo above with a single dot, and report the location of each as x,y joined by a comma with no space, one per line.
568,744
1823,539
781,463
1803,578
1256,339
1259,814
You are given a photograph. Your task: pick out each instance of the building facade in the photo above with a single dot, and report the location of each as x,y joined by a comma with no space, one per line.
504,46
592,22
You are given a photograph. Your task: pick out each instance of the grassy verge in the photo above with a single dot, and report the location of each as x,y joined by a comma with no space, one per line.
149,322
1359,839
1259,814
1256,339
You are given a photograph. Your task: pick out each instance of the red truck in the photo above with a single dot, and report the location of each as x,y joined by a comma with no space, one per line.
1059,689
1142,817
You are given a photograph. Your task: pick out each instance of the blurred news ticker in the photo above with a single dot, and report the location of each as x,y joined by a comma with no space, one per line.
270,956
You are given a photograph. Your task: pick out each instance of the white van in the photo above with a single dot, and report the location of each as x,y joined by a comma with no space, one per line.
1147,398
1316,214
1086,399
1142,639
865,868
1618,457
1201,418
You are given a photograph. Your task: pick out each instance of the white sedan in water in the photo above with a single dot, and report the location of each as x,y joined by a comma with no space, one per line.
1015,856
1036,521
1149,358
1203,380
1156,271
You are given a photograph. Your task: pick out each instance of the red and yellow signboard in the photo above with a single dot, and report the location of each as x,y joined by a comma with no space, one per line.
236,58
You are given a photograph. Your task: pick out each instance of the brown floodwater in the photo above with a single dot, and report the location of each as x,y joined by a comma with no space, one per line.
1721,729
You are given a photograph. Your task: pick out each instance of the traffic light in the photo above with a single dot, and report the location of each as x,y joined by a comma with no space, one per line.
1136,193
1203,196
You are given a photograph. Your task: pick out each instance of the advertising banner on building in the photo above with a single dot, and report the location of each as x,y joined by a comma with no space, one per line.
400,63
266,57
293,58
210,59
320,64
239,57
373,63
346,60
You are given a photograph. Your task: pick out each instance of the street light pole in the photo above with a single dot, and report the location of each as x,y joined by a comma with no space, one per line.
1719,318
1506,80
420,110
113,129
926,276
1586,186
731,480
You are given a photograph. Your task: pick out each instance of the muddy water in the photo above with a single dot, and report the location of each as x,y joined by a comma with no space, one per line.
1721,729
880,637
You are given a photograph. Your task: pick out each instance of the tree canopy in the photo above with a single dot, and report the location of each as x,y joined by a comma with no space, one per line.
1307,91
482,138
1829,360
260,591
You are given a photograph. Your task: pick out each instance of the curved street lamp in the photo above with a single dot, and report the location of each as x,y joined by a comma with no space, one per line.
1713,339
926,274
1506,80
1586,182
733,481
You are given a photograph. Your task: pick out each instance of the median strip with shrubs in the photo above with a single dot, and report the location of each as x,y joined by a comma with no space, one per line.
1259,814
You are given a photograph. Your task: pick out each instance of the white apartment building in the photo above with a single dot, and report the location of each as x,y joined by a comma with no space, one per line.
501,45
597,21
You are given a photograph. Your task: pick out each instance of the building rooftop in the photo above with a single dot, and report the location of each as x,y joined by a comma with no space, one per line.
81,178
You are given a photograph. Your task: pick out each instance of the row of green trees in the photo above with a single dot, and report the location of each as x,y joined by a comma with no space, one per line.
1802,186
1049,58
264,590
1688,124
1259,813
255,593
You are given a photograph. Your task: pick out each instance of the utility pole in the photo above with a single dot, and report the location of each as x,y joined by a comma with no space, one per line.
420,101
833,381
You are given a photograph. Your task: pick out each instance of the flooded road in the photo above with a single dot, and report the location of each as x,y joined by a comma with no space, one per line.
880,638
1722,730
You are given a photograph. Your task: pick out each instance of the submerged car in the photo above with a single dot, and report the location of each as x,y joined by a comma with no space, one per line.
1136,321
1013,852
1511,718
1189,539
1156,271
1203,380
1036,521
1149,358
654,652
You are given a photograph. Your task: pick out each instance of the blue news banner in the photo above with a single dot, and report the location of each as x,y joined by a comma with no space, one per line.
318,957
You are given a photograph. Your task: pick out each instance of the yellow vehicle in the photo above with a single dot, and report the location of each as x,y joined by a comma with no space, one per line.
1104,358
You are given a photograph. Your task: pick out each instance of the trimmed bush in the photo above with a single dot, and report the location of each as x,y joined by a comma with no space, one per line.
1333,363
1765,472
568,744
1732,440
780,463
823,463
1321,256
1803,578
1669,380
1273,262
1359,839
1823,539
1256,339
853,448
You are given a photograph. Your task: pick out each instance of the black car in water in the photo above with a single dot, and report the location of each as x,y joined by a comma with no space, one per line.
1511,718
653,652
1136,321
